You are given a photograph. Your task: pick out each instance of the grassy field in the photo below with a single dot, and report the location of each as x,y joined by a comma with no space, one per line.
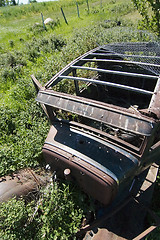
25,49
14,24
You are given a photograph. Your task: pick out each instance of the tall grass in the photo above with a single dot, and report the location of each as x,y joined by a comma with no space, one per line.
16,19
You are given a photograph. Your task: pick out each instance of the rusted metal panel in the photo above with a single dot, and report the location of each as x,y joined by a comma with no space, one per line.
97,111
102,233
69,148
60,155
97,152
102,188
128,221
23,183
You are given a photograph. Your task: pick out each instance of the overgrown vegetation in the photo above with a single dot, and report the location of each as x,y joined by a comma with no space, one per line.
150,12
56,215
27,48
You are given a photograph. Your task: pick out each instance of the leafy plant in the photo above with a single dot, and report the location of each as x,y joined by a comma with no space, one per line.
13,217
150,12
56,215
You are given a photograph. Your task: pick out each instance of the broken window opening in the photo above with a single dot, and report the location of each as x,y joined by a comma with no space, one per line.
105,131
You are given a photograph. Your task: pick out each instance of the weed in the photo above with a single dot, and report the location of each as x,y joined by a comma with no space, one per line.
57,214
11,43
37,28
54,23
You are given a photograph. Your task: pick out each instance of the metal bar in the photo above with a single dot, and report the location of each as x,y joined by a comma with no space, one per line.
108,84
37,84
66,70
54,80
104,218
76,82
104,51
123,55
100,3
87,5
151,228
65,19
43,21
101,135
77,9
116,72
121,61
145,233
50,113
154,105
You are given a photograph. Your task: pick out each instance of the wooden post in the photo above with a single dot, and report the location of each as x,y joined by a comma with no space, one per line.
87,5
100,3
77,9
64,16
43,21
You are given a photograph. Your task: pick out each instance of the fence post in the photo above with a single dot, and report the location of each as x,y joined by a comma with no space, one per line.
77,9
87,5
100,3
43,21
64,16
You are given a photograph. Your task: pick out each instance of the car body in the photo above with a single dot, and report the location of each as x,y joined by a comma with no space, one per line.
104,109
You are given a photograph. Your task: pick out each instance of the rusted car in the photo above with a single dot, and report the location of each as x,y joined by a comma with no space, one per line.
104,109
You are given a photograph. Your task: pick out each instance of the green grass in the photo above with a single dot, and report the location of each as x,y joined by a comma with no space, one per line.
15,23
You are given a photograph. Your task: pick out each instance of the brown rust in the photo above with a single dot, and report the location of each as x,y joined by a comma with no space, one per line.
127,221
102,234
23,183
92,182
